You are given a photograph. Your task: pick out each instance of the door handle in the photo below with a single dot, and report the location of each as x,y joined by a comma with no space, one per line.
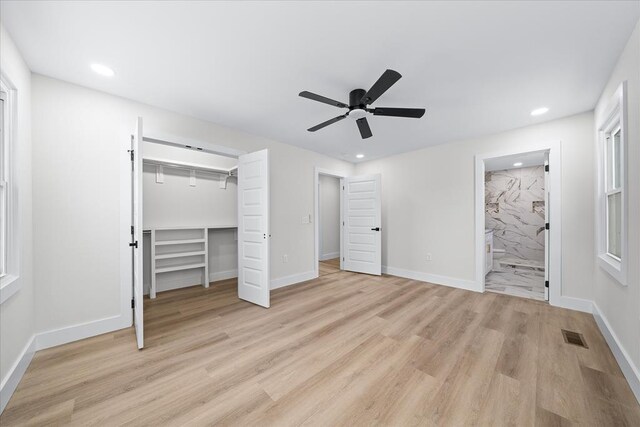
375,229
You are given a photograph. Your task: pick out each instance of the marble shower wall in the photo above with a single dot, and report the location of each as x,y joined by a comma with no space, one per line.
515,211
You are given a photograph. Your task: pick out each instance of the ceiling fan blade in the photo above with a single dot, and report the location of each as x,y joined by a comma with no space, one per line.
323,99
388,79
327,123
363,126
415,113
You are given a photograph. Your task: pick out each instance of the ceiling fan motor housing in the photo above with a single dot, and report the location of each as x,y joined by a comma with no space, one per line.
355,96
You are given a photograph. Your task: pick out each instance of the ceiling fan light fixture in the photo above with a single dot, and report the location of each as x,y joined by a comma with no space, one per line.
357,113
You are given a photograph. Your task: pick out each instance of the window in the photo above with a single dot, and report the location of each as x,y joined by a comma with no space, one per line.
611,191
9,239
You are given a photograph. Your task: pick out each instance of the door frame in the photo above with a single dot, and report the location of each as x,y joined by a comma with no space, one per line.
126,207
316,202
554,248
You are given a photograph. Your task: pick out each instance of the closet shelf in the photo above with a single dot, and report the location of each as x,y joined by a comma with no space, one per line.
178,242
190,166
180,254
180,267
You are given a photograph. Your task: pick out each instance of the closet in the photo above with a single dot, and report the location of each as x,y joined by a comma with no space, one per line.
199,214
189,218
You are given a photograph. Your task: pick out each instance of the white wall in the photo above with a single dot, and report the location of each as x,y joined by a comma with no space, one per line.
17,313
80,138
329,211
175,203
620,305
428,203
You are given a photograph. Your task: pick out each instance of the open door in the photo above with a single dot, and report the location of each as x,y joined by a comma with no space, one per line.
547,241
362,241
253,227
136,231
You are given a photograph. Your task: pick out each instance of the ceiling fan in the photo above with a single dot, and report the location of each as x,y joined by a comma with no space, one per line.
359,101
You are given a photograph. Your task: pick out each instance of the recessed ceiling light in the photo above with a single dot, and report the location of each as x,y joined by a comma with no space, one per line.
103,70
539,111
359,156
516,164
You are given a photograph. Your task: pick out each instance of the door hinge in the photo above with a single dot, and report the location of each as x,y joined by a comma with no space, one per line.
546,226
130,154
133,304
134,244
132,230
546,168
546,283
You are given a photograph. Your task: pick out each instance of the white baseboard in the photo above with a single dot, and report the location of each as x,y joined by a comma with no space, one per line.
78,332
629,369
469,285
223,275
292,280
572,303
13,377
330,255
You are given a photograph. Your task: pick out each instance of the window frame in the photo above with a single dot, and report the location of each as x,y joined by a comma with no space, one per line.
9,281
614,121
4,182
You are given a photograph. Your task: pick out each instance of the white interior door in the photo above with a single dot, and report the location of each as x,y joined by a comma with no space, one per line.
546,231
253,228
136,231
362,241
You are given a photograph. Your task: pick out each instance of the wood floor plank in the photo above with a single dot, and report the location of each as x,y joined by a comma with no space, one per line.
343,349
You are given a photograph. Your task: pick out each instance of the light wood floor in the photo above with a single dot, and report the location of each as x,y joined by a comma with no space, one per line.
329,266
344,349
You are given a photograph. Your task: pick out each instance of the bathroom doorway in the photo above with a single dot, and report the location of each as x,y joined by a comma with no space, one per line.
515,194
518,225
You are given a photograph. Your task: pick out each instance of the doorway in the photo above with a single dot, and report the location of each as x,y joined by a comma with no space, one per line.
515,218
251,222
328,221
360,223
329,224
518,222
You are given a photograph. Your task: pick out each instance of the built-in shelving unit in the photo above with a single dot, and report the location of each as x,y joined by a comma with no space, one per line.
180,248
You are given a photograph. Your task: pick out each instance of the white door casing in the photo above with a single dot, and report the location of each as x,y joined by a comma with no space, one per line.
362,224
253,228
136,237
547,250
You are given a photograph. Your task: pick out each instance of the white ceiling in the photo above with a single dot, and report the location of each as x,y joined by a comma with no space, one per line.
478,67
535,158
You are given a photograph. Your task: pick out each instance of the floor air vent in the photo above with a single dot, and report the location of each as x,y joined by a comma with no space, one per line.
574,338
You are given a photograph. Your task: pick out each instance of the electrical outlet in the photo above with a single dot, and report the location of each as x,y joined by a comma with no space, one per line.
285,258
429,256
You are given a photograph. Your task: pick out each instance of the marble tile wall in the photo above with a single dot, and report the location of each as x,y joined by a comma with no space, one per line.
515,211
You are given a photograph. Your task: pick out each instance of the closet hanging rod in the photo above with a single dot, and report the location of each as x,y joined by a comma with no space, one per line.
190,166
